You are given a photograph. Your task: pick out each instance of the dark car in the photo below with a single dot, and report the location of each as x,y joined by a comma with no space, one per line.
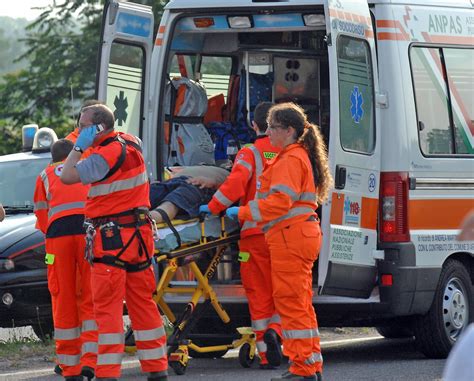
24,294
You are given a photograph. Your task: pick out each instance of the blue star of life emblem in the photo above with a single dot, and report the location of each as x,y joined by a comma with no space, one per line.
356,105
347,206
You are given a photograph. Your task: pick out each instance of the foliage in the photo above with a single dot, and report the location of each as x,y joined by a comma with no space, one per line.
11,32
62,46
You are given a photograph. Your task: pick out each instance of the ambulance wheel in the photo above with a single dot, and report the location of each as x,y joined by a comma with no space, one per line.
450,313
245,359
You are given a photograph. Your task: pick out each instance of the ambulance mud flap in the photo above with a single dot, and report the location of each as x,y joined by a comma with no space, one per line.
350,280
413,288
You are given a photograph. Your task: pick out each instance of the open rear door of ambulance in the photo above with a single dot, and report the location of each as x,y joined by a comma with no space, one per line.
124,63
347,259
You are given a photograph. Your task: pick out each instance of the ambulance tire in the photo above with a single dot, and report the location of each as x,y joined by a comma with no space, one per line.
44,330
450,313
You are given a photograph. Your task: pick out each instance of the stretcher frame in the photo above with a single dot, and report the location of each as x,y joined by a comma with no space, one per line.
179,342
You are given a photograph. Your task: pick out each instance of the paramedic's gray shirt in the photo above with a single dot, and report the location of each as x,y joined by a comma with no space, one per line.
92,169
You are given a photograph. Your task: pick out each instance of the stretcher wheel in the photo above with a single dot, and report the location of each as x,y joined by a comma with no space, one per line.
245,357
178,367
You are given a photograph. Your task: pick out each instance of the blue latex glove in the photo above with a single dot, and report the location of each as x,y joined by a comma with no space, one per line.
204,209
86,137
232,212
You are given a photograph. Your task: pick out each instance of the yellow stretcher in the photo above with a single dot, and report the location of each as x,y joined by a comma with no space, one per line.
188,253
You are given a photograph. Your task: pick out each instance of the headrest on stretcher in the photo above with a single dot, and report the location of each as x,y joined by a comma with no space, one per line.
190,231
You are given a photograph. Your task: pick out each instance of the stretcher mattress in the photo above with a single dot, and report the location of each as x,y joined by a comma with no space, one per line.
190,232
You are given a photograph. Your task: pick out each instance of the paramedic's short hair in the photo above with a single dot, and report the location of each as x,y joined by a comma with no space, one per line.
101,114
87,103
60,149
260,115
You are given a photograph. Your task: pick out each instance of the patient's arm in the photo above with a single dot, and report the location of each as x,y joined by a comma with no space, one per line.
170,209
203,182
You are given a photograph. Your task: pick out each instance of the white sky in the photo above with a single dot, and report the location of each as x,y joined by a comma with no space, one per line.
22,8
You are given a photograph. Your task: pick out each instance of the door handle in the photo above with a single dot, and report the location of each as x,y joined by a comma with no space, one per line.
340,178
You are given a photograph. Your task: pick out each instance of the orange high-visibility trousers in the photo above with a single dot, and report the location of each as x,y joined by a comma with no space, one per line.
257,281
293,251
110,287
75,329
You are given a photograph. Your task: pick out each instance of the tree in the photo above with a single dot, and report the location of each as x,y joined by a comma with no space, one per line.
62,45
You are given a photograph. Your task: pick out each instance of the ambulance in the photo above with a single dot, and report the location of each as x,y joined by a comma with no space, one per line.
390,83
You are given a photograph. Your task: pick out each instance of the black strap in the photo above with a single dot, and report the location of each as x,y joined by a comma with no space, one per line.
185,119
166,218
173,93
111,260
124,143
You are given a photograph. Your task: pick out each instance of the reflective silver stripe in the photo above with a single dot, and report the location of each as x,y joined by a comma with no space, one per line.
258,161
315,357
149,334
292,213
67,206
109,359
69,360
111,338
300,333
308,196
67,333
261,195
89,325
152,354
248,225
45,179
89,347
260,325
119,185
275,319
222,198
286,190
261,346
243,163
254,211
40,205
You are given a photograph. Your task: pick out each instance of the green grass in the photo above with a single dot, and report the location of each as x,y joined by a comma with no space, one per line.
25,352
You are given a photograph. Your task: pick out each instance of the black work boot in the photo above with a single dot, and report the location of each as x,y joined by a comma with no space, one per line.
88,372
106,379
158,376
291,376
74,378
274,354
267,366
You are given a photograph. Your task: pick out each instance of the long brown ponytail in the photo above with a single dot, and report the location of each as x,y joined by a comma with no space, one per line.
310,137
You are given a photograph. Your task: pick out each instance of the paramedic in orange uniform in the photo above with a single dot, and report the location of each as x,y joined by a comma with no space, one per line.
120,242
254,255
59,209
287,195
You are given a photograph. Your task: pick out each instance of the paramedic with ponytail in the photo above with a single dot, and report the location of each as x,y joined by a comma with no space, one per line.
288,193
254,254
119,242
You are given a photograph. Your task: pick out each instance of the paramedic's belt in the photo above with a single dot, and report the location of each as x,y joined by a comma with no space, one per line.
130,218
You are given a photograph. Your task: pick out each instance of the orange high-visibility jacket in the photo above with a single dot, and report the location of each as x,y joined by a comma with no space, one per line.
127,188
285,192
54,199
241,182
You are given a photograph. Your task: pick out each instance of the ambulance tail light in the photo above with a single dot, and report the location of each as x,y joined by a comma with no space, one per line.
393,211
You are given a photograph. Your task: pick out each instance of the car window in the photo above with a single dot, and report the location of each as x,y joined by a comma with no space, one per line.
17,181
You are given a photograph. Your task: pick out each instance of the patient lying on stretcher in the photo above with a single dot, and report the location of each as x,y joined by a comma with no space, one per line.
187,189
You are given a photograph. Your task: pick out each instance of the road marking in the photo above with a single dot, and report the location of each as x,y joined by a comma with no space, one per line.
231,354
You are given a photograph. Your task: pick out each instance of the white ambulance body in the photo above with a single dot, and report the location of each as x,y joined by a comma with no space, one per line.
390,83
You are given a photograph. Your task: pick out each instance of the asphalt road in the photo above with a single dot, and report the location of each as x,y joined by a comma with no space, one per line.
360,359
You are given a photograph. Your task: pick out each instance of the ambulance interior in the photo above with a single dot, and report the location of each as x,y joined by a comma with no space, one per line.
240,68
